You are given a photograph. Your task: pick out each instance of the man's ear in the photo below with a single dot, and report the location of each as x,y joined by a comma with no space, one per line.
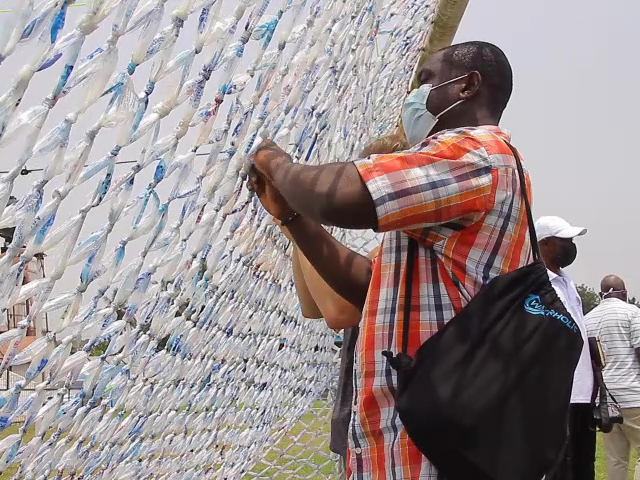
471,86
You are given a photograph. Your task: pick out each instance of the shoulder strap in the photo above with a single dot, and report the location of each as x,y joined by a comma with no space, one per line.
411,258
402,362
535,249
412,248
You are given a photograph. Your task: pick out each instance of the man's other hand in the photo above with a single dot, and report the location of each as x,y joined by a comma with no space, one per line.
267,157
271,200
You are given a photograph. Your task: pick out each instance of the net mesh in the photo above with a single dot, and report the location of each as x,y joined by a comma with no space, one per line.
303,451
175,344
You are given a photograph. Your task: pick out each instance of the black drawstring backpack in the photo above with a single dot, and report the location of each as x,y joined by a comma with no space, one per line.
487,397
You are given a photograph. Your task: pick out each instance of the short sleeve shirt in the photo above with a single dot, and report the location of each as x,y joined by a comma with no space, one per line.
617,324
582,388
459,195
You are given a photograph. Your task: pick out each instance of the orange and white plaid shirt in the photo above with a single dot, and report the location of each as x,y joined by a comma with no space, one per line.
458,194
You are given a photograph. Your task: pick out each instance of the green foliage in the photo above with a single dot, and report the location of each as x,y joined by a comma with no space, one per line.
99,349
162,343
590,298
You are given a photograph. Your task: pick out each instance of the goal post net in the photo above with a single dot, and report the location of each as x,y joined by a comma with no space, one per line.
175,347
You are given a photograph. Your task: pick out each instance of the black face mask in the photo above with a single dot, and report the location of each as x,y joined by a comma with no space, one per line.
567,254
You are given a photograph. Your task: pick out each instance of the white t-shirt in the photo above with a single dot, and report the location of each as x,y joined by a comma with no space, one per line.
583,374
617,324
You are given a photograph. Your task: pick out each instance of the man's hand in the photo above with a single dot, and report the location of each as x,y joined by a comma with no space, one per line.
271,200
330,194
267,157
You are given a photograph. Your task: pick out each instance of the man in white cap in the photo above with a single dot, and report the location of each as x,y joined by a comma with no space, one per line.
558,250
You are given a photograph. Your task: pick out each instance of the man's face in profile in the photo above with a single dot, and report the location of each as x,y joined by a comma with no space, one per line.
436,71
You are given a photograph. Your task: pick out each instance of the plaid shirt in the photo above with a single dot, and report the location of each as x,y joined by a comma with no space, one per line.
458,194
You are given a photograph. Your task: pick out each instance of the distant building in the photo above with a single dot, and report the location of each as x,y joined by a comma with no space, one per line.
15,314
18,312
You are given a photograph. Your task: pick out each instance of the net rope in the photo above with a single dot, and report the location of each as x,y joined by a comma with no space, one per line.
173,299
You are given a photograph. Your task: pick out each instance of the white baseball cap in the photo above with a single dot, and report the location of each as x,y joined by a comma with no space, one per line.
557,227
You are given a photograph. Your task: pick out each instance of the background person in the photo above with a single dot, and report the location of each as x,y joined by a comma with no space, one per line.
558,250
617,324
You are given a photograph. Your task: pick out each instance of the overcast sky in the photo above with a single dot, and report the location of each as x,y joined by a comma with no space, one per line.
573,115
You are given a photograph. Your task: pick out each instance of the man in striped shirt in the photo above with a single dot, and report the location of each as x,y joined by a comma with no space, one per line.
456,191
617,324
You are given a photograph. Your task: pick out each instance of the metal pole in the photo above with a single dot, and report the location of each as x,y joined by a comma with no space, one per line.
445,25
443,29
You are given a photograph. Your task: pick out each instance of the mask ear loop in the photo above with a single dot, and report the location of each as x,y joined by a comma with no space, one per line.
449,108
450,81
440,85
431,88
455,104
603,295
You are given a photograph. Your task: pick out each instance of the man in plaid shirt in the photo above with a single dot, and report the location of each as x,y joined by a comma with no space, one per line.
456,191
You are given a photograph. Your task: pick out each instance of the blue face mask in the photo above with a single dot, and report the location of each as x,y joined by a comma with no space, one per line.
417,121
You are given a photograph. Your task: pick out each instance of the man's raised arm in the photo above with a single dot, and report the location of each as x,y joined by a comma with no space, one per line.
345,271
330,194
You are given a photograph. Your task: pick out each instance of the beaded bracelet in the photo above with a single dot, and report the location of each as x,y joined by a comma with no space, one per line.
289,219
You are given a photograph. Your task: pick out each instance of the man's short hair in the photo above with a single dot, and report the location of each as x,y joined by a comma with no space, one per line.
491,63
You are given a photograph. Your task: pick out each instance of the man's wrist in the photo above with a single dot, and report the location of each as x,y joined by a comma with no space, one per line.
283,221
300,223
289,218
276,166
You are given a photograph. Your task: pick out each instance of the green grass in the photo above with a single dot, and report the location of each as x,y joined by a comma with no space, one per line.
601,468
311,450
10,430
